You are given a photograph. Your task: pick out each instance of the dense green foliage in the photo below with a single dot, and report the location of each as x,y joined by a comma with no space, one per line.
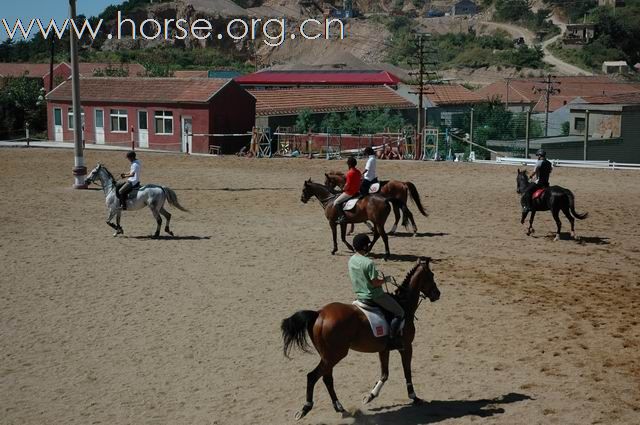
519,11
461,50
351,122
19,104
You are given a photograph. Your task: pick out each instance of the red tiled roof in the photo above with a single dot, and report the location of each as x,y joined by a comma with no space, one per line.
616,99
292,101
20,69
345,78
141,90
522,91
451,94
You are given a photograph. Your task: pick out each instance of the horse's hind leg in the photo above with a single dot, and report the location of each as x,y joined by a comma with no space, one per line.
384,375
410,218
119,229
328,382
396,212
556,217
312,378
530,230
385,239
567,213
167,217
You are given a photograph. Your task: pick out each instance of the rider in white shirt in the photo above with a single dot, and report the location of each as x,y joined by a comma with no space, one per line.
133,179
370,175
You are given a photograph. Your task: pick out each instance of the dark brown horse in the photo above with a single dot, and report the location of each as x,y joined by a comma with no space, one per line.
372,208
389,189
337,327
554,199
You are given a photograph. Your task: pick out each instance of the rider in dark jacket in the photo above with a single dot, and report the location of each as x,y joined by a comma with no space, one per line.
542,172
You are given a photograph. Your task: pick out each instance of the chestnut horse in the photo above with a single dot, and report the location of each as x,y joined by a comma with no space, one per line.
389,189
554,199
372,208
337,327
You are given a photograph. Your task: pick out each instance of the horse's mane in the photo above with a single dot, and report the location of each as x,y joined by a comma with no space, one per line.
109,173
407,278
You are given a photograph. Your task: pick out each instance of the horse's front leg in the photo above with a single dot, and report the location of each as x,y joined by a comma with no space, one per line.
556,216
119,229
406,355
530,230
343,232
384,375
351,229
156,215
335,237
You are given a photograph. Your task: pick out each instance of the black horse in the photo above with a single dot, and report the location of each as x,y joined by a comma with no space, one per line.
554,198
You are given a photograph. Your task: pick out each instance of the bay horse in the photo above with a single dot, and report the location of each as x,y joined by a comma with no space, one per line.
554,199
371,208
337,328
389,189
149,195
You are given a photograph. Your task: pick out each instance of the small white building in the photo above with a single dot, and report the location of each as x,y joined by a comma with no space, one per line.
615,67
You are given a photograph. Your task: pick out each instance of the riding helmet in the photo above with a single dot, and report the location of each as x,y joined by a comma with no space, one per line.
369,151
351,162
131,155
361,242
541,152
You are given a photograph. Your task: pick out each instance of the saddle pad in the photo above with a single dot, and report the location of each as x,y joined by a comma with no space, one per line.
379,325
375,188
538,193
348,206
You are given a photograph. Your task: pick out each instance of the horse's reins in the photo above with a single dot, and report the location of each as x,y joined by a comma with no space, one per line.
402,288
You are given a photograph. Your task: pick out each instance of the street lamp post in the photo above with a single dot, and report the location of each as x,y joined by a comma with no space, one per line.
79,170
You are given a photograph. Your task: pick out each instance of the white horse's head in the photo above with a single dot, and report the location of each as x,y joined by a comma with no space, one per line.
99,173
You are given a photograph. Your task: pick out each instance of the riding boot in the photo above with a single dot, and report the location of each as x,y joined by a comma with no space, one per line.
395,338
341,217
123,202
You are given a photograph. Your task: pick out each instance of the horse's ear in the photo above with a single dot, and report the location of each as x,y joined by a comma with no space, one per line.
518,171
326,175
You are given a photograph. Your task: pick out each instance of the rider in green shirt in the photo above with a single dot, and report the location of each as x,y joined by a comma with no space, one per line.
367,286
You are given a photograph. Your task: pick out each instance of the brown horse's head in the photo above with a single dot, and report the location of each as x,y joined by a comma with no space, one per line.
424,279
306,192
333,179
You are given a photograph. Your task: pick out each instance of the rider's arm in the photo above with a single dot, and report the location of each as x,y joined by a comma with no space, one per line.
374,276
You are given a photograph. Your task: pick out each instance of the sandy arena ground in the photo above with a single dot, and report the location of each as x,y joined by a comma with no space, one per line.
185,330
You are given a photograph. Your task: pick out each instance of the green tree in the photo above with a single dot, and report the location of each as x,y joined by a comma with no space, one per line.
19,103
305,121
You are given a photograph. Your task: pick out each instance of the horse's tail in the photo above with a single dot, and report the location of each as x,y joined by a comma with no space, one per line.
405,211
573,209
416,198
173,199
295,328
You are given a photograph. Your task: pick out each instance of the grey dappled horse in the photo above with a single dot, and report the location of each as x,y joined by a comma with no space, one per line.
149,195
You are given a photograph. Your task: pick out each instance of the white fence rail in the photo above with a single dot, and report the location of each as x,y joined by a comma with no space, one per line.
569,163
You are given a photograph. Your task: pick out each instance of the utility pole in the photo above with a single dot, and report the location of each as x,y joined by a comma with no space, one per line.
423,77
508,81
79,170
548,91
53,56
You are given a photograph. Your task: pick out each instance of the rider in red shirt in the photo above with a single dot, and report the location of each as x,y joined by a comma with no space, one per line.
351,188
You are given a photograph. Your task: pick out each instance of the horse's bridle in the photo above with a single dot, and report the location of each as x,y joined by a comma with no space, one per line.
401,288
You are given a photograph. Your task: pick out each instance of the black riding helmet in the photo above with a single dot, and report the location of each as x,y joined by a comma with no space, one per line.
369,151
361,242
541,152
131,155
351,162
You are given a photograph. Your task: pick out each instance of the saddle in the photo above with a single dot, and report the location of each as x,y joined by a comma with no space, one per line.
379,318
375,188
351,203
134,189
538,193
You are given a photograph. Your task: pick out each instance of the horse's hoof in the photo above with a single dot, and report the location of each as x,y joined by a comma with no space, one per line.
557,238
368,398
115,234
169,232
386,256
338,407
334,252
155,236
301,414
417,400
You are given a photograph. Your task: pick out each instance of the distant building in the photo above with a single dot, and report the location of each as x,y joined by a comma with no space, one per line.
158,113
615,67
464,7
62,71
223,74
317,78
578,34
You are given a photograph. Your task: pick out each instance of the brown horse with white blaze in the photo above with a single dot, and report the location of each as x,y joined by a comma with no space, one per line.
393,189
373,208
337,328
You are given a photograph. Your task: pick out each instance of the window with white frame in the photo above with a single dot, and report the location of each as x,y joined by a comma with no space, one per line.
119,120
164,122
57,117
70,119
